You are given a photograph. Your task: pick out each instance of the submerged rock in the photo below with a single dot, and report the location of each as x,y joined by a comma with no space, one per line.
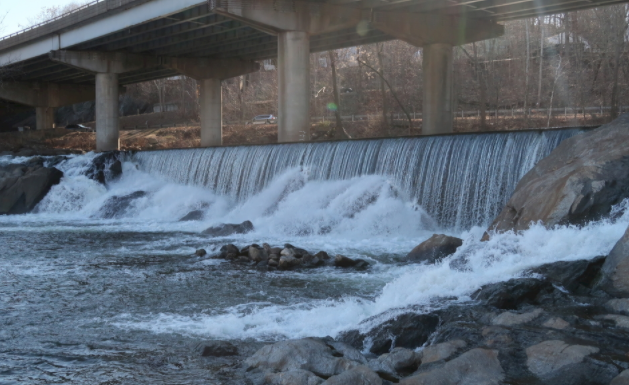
229,229
218,349
578,182
436,247
195,215
343,261
117,206
106,167
23,187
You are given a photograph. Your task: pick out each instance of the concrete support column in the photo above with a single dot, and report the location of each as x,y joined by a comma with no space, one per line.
107,123
293,86
438,103
44,117
211,113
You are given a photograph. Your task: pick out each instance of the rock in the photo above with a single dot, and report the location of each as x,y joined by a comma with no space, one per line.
475,367
293,377
288,262
441,351
618,306
556,362
575,276
347,351
228,249
322,255
200,253
436,247
243,259
195,215
398,363
311,354
218,349
556,323
229,229
117,206
620,321
622,379
511,294
276,251
578,182
360,375
267,248
257,254
273,263
22,188
343,261
615,271
409,330
311,261
511,319
105,167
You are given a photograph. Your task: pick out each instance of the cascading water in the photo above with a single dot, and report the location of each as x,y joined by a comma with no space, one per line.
460,181
101,284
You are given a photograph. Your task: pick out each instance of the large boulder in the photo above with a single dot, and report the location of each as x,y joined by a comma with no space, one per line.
476,367
578,182
229,229
311,354
22,187
615,271
436,247
105,167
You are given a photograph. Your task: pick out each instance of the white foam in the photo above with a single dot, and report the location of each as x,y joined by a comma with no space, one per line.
505,256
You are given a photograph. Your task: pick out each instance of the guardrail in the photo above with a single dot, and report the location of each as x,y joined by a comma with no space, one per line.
82,7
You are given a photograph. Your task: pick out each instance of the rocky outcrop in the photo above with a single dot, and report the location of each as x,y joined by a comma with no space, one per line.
436,247
106,167
615,270
22,187
229,229
578,182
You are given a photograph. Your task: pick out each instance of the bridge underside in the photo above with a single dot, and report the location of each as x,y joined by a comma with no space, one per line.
121,42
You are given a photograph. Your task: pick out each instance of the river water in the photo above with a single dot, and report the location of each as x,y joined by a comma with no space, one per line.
94,296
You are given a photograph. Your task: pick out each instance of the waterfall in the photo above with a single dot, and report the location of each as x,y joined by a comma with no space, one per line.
459,180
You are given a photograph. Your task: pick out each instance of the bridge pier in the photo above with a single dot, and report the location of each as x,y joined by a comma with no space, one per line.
293,86
44,117
107,107
211,112
438,72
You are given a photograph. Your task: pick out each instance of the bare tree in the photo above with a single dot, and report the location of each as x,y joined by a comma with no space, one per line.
339,132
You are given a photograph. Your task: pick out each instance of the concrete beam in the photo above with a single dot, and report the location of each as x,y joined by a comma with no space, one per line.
104,62
38,94
438,73
275,16
420,29
202,68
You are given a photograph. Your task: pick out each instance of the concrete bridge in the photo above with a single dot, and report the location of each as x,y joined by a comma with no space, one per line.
90,53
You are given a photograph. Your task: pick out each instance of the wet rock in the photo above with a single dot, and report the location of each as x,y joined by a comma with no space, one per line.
557,362
273,263
195,215
621,379
578,182
117,206
513,293
200,253
218,349
243,259
105,167
227,250
477,367
22,188
276,250
229,229
311,261
293,377
511,319
399,363
575,276
556,323
619,321
311,354
441,351
257,255
615,271
346,351
436,247
343,261
288,262
360,375
408,330
267,248
618,306
322,255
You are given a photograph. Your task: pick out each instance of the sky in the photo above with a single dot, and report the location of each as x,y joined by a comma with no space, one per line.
19,11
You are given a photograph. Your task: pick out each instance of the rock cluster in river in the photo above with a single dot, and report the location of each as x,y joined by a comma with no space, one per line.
284,258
